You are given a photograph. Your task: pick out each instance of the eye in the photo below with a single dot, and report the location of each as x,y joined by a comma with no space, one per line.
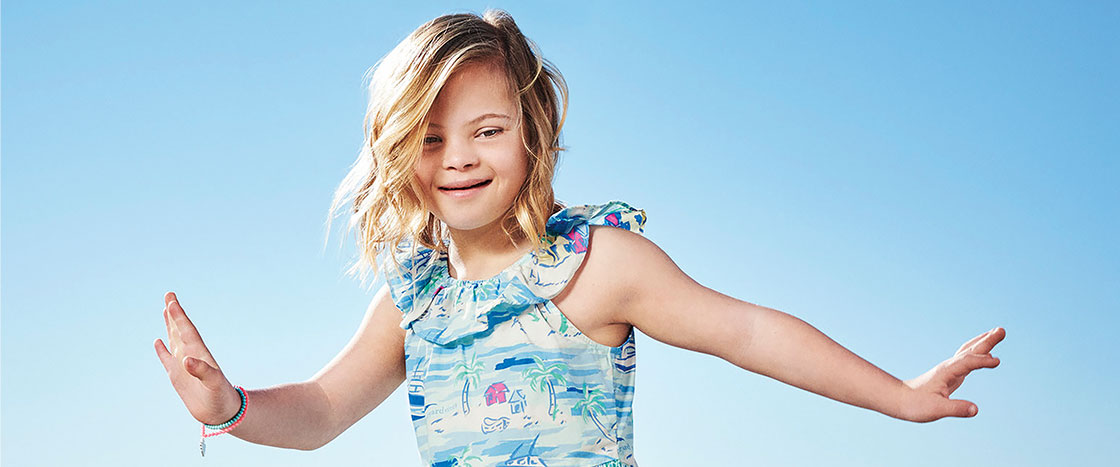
491,132
431,139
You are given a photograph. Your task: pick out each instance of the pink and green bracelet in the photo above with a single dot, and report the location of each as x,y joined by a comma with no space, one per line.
227,426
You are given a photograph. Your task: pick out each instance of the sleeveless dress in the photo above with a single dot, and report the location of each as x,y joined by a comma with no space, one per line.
496,375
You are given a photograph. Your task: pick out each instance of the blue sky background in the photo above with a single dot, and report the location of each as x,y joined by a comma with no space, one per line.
903,177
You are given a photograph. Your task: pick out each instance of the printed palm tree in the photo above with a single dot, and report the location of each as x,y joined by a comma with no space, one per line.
541,377
468,372
592,403
463,460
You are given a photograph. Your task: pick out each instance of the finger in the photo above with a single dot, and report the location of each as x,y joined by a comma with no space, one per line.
961,408
167,299
165,357
167,322
174,338
967,363
968,345
208,375
187,332
186,337
994,337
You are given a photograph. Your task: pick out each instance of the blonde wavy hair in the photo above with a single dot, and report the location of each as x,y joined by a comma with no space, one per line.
386,207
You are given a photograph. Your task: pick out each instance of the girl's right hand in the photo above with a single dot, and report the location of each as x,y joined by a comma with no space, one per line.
194,374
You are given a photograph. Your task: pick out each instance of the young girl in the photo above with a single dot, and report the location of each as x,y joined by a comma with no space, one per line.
511,317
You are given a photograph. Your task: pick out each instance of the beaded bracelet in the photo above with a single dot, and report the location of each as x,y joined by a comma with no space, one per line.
227,426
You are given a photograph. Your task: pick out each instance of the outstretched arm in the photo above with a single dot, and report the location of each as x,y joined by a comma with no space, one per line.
665,303
304,415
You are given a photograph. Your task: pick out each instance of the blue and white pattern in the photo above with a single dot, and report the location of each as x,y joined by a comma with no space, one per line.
496,373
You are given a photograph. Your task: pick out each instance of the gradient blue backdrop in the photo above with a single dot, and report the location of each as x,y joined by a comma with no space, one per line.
903,177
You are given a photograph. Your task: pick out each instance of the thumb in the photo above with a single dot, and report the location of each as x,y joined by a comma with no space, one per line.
962,408
207,374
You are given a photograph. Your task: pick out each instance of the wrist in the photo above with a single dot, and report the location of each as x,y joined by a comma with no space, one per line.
227,426
231,406
903,401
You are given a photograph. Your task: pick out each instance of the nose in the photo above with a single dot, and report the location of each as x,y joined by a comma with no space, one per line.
459,157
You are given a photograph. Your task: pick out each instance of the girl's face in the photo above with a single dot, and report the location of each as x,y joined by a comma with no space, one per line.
474,162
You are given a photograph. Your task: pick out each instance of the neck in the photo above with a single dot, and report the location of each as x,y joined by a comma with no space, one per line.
481,253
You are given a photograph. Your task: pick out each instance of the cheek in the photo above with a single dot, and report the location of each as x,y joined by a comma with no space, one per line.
423,176
423,170
517,169
518,161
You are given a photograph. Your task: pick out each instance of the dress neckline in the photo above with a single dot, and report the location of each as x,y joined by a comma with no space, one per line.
443,269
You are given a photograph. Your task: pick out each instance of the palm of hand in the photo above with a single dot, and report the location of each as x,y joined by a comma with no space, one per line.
929,398
193,372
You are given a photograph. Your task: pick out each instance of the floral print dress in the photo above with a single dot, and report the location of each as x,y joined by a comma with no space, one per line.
496,375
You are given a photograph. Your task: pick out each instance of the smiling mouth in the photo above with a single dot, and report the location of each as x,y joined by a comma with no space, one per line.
476,185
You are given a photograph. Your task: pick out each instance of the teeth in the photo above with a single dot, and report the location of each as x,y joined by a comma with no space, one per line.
468,187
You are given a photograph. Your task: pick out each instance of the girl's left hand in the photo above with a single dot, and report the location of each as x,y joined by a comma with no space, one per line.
929,400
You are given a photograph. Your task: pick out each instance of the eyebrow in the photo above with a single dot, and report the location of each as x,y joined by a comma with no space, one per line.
476,119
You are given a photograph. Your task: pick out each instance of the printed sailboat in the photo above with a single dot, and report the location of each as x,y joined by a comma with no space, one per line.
525,460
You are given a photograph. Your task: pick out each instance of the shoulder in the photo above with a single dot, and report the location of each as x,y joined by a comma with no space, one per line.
632,262
620,267
613,251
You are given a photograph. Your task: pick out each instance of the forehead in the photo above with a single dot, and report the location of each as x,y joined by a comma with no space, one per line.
474,89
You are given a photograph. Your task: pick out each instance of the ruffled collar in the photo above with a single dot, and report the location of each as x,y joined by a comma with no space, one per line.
449,312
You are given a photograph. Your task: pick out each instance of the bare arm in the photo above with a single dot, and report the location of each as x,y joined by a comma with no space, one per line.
303,415
370,368
661,300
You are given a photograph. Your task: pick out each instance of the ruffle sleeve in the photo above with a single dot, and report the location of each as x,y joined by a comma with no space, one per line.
450,312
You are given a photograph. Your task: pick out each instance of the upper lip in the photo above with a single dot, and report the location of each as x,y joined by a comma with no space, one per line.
464,183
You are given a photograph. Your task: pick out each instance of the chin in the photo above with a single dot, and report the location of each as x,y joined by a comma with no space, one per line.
471,215
464,221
